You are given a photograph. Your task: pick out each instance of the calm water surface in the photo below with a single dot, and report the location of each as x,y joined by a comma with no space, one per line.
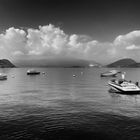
56,105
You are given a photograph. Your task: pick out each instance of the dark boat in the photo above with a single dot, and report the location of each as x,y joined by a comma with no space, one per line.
32,72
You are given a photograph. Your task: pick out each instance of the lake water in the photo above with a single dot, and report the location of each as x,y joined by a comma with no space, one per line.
58,106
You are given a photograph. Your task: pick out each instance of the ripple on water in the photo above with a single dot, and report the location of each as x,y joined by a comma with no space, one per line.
34,122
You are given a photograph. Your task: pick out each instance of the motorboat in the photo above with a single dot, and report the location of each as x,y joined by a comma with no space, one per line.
3,76
32,72
124,87
112,73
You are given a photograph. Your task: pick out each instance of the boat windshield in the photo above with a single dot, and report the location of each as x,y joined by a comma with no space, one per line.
128,84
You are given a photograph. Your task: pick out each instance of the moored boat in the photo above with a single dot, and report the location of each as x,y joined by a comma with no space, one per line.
3,76
32,72
124,87
112,73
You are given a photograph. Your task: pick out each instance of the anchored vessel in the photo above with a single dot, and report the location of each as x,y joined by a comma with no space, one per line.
3,76
32,72
111,73
124,87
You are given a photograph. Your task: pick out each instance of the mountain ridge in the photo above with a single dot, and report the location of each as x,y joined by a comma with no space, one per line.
69,63
5,63
126,62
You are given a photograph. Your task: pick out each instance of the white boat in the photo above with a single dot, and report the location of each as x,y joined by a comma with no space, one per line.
111,73
3,76
124,87
32,72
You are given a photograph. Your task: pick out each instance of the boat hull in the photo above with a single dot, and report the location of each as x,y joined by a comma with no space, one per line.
108,75
112,90
3,78
33,73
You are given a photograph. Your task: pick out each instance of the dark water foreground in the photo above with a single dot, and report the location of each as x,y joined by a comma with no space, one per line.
37,123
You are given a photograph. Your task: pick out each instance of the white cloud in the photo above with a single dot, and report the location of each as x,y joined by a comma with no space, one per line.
50,41
132,47
128,45
17,53
11,41
132,38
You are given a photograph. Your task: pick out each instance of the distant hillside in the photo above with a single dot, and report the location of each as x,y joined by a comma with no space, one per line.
124,63
66,63
4,63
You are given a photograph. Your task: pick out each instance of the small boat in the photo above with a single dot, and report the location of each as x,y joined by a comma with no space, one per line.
3,76
112,73
74,75
124,87
32,72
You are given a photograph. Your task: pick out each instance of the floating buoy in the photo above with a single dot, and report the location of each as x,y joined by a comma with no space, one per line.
74,75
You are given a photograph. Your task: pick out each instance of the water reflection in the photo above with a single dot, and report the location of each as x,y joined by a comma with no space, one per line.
58,84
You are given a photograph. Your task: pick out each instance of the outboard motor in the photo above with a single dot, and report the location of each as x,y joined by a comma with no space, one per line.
137,83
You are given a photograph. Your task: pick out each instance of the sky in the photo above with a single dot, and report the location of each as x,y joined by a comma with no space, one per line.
99,30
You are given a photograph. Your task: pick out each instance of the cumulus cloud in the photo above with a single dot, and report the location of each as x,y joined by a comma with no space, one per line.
128,45
132,47
50,41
